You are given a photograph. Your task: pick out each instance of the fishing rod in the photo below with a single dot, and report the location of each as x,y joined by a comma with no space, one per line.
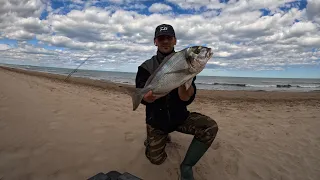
77,68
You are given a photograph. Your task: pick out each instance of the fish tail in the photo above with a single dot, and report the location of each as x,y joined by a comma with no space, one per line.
137,96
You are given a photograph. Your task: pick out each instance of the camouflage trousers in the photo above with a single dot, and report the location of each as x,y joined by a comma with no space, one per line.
202,127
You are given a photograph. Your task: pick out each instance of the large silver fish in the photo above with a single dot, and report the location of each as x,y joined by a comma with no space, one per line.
175,70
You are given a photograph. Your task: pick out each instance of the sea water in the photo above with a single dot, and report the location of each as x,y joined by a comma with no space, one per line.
202,82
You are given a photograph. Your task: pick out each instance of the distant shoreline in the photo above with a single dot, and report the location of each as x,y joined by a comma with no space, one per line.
202,94
224,83
135,73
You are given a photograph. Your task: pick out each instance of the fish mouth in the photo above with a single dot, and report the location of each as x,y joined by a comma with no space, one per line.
204,58
209,53
199,56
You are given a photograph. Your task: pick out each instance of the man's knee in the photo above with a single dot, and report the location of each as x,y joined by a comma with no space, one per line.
208,130
213,126
212,129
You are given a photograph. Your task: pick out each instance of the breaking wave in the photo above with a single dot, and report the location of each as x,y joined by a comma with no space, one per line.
263,85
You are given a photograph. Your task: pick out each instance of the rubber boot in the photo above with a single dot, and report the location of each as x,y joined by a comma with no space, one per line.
195,151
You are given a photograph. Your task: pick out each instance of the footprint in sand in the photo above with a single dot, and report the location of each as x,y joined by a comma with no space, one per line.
293,121
128,136
173,172
216,146
42,149
102,127
231,161
56,111
55,174
105,109
255,174
3,108
216,160
17,152
95,100
231,167
2,124
54,125
99,130
2,96
201,170
173,151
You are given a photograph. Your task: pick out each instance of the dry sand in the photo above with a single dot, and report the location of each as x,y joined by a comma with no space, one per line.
50,129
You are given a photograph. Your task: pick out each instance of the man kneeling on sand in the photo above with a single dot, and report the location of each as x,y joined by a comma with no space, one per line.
169,113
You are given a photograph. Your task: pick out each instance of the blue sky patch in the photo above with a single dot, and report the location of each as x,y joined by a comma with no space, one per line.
11,42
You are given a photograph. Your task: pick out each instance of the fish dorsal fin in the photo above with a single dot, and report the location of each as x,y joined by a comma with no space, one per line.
159,67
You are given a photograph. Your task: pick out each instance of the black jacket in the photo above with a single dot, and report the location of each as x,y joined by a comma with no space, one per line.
168,112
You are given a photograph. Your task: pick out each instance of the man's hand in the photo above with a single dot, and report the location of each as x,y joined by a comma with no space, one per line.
149,97
185,94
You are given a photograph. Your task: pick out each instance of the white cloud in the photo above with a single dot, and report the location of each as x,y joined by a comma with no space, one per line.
125,1
78,1
310,41
19,19
197,4
25,28
312,10
159,7
210,13
22,8
4,47
233,6
117,35
253,5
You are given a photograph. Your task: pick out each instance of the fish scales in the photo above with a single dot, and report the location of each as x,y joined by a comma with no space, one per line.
175,70
163,81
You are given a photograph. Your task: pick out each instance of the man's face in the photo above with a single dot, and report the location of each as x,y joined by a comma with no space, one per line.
165,43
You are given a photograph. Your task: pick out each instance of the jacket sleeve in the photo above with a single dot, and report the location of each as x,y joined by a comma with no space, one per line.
141,79
194,93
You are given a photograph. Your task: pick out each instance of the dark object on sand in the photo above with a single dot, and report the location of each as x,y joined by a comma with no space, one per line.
283,86
114,175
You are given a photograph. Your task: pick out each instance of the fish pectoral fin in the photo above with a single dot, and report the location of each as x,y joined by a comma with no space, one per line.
188,83
186,71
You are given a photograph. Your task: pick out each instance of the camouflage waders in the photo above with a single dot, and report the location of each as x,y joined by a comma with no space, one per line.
202,127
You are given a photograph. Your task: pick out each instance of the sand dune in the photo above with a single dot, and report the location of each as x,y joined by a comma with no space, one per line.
50,129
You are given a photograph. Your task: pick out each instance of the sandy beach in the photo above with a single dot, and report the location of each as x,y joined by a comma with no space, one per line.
51,129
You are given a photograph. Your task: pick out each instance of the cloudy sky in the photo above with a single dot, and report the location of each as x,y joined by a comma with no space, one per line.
265,38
